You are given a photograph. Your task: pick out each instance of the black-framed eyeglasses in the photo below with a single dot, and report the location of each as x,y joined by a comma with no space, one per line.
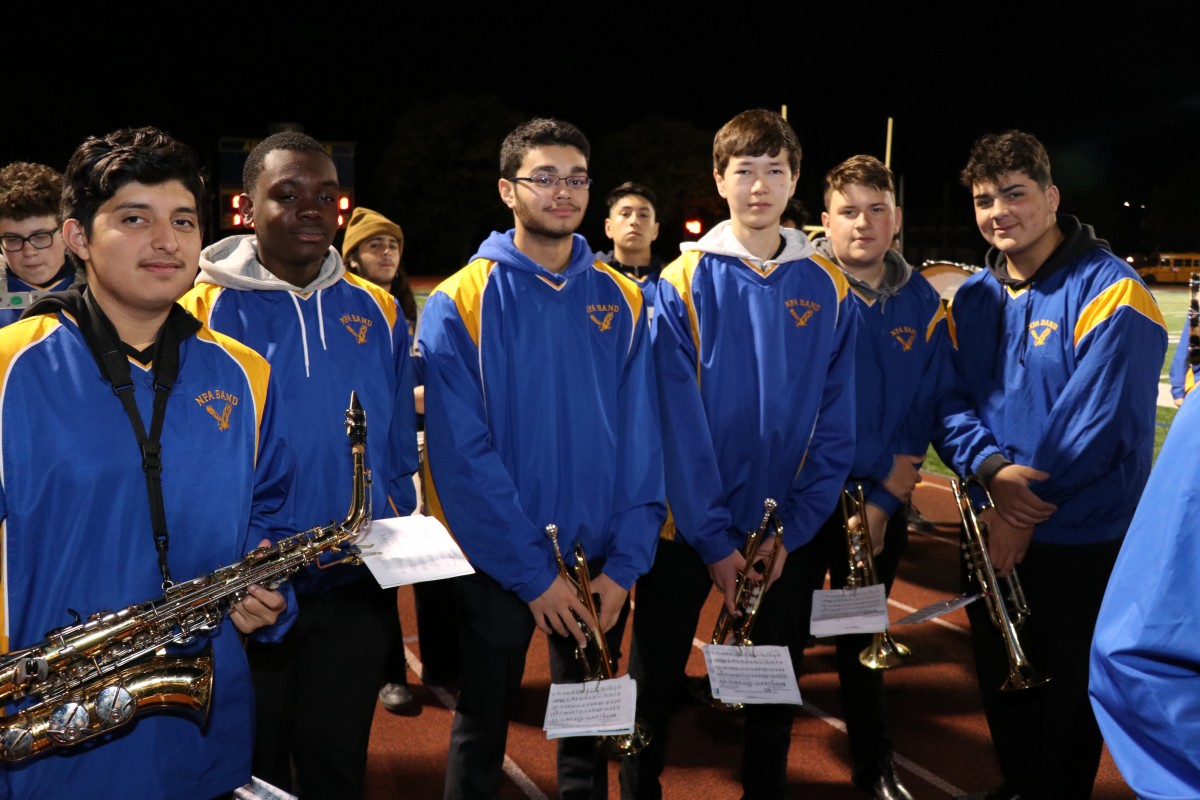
542,181
40,240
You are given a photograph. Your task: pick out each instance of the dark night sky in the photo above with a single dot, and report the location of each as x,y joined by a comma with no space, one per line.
1117,101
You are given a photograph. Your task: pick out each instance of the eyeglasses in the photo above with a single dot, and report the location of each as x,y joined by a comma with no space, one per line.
579,182
40,240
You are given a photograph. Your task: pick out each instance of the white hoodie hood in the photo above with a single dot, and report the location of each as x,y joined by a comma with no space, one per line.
721,241
233,263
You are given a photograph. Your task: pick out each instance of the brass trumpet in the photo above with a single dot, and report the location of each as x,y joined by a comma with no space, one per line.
884,652
731,629
1008,611
593,657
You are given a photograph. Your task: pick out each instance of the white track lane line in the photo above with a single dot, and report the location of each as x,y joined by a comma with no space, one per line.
511,769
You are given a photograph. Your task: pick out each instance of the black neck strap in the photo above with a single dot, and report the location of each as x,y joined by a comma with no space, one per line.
106,346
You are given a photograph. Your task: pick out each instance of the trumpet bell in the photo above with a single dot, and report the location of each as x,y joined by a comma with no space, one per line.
883,653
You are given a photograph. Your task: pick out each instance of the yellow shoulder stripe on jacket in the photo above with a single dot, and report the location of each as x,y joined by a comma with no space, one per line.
382,297
680,273
15,340
254,367
951,328
938,316
466,288
200,300
632,292
1189,380
1125,292
835,273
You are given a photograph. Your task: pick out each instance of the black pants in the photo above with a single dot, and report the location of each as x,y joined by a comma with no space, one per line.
860,688
1046,738
495,629
315,691
669,600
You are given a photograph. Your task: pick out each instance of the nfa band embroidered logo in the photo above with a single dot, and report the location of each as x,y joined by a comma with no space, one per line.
1040,336
794,305
357,325
602,315
905,336
211,398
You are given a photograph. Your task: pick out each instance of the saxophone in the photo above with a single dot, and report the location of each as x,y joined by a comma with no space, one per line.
95,675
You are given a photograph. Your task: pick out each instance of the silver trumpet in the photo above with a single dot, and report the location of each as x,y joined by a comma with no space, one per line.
593,657
884,652
96,675
1008,610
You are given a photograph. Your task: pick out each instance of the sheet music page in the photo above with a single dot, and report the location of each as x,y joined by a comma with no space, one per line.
937,609
405,550
595,708
837,611
758,674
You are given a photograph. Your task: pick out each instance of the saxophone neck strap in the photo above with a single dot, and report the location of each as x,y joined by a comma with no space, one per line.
112,357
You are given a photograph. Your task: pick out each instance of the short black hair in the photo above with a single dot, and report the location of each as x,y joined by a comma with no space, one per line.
29,190
295,141
537,133
998,154
629,187
102,165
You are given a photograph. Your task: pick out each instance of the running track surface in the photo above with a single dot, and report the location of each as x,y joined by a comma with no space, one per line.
937,723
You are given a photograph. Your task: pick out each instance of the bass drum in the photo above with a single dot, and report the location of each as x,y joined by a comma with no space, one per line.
946,276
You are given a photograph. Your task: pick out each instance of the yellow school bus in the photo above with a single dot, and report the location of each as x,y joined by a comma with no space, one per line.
1170,268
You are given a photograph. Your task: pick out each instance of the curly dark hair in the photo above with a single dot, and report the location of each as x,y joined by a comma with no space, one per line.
29,190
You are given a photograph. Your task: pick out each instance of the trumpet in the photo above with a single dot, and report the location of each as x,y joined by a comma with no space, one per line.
593,657
731,629
95,675
884,652
1008,611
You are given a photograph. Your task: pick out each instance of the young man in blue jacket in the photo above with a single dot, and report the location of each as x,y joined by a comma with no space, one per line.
80,529
540,408
285,292
901,355
1053,408
754,349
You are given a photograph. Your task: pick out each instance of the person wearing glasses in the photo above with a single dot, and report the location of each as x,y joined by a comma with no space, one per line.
540,408
31,236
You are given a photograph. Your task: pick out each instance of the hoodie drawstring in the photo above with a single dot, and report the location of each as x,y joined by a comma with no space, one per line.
321,319
303,330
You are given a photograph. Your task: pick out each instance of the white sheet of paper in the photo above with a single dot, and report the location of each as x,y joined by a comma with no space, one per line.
758,674
404,550
596,708
937,609
837,611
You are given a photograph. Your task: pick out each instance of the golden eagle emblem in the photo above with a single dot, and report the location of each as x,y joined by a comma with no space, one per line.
905,340
1039,339
222,418
605,324
801,319
359,335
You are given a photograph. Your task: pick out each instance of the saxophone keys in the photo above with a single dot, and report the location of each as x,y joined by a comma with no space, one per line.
15,744
115,705
68,723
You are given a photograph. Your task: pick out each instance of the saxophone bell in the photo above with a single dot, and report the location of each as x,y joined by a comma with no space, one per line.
594,657
884,652
1007,609
97,674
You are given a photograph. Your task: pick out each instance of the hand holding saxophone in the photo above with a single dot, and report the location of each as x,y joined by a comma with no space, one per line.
260,608
1015,501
